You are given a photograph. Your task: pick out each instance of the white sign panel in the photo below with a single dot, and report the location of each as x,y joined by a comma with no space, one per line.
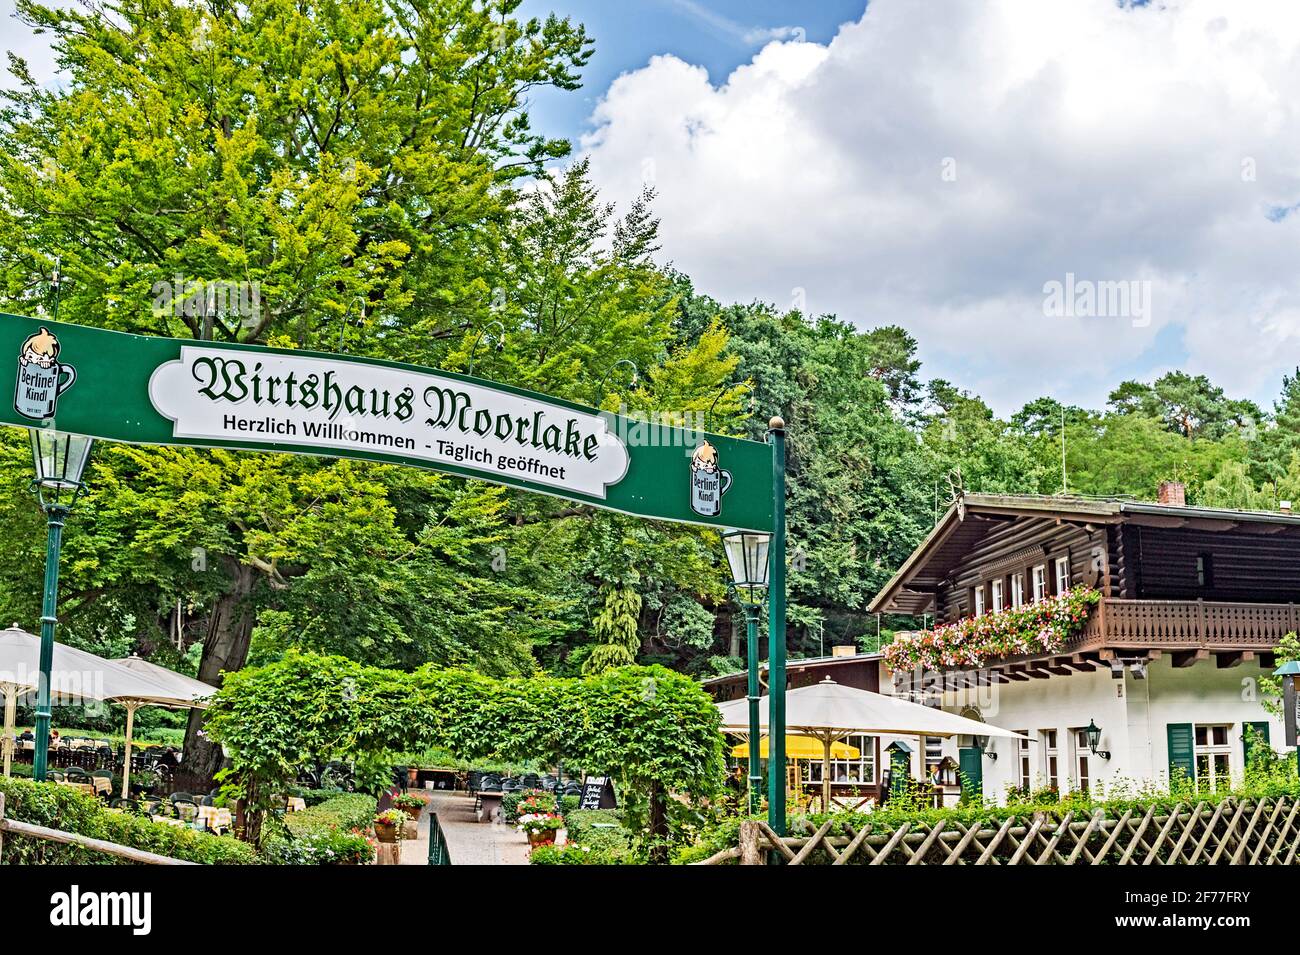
317,403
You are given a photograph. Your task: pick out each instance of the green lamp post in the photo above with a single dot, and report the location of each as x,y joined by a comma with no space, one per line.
776,636
747,555
60,460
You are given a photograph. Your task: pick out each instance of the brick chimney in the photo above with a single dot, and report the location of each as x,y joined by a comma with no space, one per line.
844,650
1172,492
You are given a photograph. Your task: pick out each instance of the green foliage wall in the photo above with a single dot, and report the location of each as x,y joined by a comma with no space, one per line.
645,726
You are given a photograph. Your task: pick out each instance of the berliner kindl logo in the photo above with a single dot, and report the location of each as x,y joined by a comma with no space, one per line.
41,377
708,481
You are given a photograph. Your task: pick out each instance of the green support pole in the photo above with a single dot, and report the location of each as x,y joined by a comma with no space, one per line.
776,637
55,515
755,764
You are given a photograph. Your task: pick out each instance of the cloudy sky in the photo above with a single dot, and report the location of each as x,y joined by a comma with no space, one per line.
938,164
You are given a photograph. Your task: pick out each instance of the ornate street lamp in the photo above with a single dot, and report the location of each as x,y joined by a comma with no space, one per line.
1093,732
60,460
747,555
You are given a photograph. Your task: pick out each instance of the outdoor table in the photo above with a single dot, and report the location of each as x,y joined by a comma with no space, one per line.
88,788
489,806
216,818
170,821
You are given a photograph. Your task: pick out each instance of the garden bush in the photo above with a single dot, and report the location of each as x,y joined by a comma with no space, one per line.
1264,779
330,833
598,829
348,811
58,807
510,803
578,855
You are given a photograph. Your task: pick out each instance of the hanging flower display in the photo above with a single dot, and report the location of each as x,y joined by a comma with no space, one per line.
1041,627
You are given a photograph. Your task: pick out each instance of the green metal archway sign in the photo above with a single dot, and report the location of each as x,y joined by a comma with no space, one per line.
149,390
145,390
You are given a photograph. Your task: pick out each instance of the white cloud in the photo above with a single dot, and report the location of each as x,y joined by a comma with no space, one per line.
1117,144
20,40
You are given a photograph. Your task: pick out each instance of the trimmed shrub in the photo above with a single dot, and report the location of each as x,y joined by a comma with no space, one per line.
329,833
347,812
58,807
598,829
577,855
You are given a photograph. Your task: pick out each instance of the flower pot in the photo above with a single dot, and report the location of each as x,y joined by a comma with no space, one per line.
541,837
413,811
386,832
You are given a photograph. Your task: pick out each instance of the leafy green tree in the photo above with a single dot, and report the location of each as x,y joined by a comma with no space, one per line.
355,163
1187,405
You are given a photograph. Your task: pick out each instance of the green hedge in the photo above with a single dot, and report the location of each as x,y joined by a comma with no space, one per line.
58,807
1265,782
592,828
348,811
328,833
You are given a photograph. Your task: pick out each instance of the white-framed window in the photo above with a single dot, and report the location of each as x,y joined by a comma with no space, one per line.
997,595
1051,759
979,600
1082,760
1212,757
853,771
1040,582
1062,574
933,754
1025,756
1017,590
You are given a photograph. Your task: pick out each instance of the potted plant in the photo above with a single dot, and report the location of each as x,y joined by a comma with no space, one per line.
411,805
541,827
388,825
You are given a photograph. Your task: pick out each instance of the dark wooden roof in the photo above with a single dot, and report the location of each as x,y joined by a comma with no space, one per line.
972,516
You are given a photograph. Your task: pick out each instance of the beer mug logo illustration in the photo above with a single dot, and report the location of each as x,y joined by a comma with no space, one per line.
708,481
41,377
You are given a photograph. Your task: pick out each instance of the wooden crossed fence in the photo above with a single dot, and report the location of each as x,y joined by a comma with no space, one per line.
1263,831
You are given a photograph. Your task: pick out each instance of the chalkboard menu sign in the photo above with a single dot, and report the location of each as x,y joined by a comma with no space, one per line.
597,793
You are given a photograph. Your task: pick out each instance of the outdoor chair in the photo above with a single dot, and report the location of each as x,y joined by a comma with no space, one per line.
129,805
511,786
530,780
181,797
76,774
55,775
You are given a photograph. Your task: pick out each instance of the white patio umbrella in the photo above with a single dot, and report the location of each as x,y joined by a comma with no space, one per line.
75,673
182,691
829,711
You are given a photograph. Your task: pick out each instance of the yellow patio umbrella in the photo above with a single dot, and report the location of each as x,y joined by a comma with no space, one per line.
801,747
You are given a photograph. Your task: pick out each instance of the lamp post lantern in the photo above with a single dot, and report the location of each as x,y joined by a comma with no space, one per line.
1093,732
60,460
747,556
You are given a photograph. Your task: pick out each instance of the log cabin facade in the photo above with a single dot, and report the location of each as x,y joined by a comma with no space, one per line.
1193,602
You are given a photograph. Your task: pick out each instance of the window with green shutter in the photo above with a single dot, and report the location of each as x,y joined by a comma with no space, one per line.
1181,752
1261,730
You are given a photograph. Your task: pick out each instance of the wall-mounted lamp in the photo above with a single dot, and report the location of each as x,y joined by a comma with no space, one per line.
1094,737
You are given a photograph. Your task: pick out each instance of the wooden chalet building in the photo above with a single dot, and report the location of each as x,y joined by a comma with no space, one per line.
1193,602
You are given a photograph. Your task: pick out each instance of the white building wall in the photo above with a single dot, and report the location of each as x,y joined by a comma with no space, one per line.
1133,716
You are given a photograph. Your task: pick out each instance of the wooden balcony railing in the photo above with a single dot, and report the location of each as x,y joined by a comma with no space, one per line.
1186,624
